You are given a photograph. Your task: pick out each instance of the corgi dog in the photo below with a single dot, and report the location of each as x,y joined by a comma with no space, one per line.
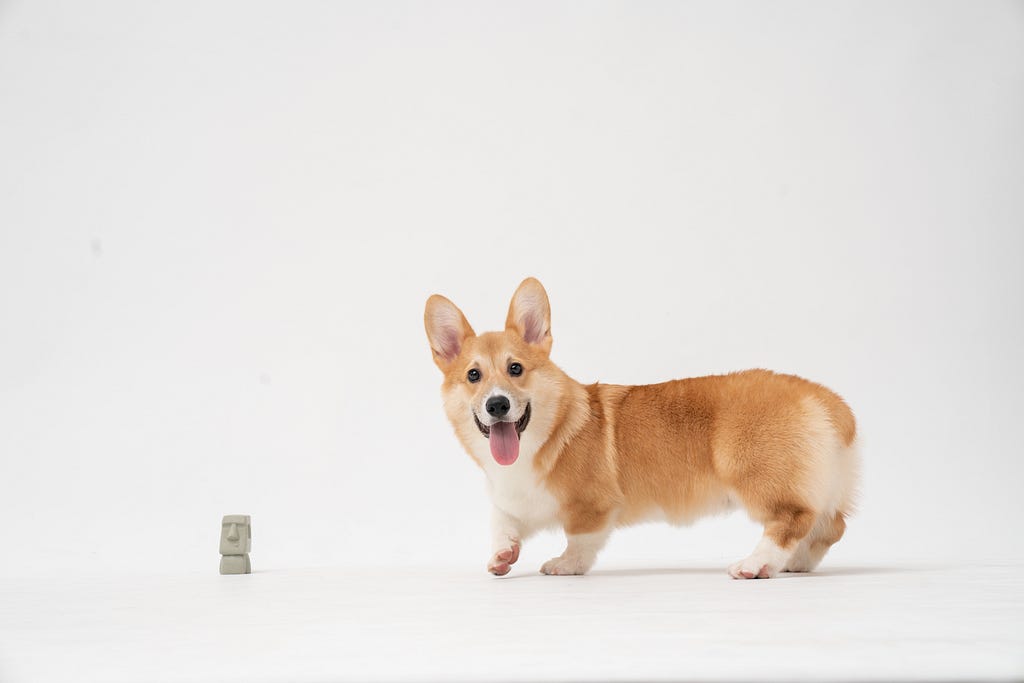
590,458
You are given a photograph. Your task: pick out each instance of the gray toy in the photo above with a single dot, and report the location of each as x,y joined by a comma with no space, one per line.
235,544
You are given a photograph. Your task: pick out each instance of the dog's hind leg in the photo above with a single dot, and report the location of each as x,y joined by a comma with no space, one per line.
784,529
830,525
828,529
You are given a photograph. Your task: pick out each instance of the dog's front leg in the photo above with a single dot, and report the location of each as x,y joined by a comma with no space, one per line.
506,537
584,541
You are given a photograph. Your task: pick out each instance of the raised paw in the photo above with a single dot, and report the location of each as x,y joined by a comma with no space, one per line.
564,566
752,568
501,562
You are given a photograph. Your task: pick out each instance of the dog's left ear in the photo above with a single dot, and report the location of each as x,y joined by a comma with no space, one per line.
529,314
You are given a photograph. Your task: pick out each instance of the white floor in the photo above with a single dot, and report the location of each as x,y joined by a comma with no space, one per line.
897,623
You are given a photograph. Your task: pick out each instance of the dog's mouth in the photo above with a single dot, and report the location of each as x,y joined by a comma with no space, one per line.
504,437
520,423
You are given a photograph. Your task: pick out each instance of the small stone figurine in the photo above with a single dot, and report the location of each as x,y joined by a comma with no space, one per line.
235,544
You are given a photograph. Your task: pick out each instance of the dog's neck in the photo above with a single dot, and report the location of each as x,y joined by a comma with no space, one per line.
576,415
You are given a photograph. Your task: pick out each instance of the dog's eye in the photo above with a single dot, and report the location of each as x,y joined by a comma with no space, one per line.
515,369
473,375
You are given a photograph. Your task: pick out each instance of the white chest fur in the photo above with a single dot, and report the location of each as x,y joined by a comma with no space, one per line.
516,490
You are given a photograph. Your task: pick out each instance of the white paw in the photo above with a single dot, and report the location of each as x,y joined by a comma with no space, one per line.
565,566
754,567
803,560
501,561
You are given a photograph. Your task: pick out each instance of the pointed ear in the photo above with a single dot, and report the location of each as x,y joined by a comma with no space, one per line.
529,314
447,329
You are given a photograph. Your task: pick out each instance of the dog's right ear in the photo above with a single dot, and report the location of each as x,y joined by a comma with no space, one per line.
447,330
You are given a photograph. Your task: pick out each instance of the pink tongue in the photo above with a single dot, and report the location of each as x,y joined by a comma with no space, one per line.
504,442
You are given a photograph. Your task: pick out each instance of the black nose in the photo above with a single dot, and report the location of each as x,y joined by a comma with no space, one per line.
497,406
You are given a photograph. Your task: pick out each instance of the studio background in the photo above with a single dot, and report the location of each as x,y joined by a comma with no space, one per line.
219,223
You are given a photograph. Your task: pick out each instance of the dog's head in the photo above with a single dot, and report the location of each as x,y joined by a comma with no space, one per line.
495,383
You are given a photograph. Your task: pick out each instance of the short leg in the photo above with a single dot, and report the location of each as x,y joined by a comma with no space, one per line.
783,531
580,551
808,554
506,539
800,560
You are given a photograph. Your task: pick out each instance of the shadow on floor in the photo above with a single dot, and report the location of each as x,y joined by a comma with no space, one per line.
658,571
866,571
823,572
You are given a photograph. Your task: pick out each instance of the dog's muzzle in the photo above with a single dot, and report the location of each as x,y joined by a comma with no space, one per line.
520,423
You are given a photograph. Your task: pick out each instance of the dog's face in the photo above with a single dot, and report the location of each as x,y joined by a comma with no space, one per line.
495,384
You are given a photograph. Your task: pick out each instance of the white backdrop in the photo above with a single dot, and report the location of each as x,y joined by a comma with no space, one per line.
219,223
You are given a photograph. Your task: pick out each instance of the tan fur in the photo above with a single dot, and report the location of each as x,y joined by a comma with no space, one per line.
780,446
